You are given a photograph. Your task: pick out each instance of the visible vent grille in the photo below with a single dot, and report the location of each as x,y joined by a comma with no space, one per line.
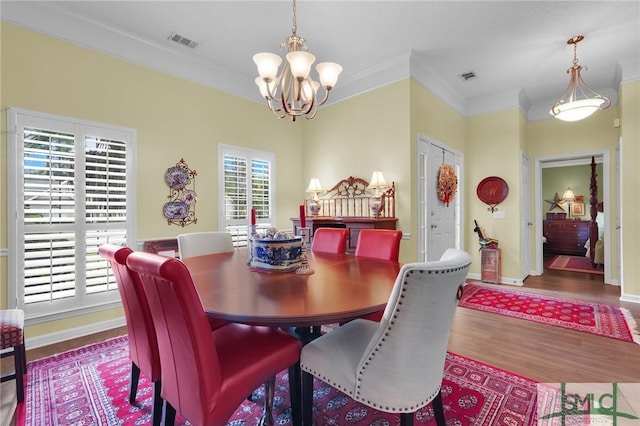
469,75
182,40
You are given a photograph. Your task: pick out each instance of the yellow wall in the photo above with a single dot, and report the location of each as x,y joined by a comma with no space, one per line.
178,119
630,132
493,149
174,119
554,137
556,180
361,134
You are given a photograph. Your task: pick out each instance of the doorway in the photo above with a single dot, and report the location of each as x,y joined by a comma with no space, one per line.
439,223
604,194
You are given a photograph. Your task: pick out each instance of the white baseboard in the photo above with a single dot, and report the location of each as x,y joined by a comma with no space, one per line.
504,280
73,333
630,298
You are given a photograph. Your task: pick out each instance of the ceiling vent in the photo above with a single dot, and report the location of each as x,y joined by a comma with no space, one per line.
182,40
469,75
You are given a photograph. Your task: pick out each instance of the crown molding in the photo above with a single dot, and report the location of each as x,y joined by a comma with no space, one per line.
629,71
50,19
431,81
382,74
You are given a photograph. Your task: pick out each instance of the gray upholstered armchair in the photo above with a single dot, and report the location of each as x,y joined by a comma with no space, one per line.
396,365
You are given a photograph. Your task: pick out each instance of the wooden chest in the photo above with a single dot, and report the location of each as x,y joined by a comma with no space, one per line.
490,265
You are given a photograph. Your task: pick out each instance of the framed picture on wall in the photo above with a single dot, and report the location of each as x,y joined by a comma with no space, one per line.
577,209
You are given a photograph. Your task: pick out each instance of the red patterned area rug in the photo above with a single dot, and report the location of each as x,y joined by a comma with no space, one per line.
575,264
89,386
593,318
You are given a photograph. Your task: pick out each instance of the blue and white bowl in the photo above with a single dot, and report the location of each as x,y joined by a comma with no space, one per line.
276,255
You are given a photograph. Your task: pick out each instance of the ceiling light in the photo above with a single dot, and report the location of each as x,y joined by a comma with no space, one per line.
297,90
578,100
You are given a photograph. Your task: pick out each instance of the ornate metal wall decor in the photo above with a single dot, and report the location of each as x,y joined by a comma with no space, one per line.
181,208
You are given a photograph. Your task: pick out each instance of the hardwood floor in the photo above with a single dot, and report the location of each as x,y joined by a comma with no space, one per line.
540,352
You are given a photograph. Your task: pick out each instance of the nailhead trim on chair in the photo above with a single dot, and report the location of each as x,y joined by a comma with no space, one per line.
413,408
410,409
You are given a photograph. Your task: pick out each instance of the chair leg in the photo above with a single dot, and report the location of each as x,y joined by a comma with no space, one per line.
406,419
133,384
19,356
294,393
157,403
307,398
169,414
438,410
269,394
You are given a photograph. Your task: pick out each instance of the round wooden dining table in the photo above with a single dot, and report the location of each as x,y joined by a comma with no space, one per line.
342,287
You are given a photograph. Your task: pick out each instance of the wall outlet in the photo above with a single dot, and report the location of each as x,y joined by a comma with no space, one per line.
499,214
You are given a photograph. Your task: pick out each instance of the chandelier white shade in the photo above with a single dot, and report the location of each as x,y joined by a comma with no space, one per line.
294,93
578,101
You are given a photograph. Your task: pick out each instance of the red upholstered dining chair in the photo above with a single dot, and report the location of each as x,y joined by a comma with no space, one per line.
207,374
143,345
379,244
330,240
12,337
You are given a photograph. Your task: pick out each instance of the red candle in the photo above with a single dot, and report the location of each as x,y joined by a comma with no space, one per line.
303,219
253,216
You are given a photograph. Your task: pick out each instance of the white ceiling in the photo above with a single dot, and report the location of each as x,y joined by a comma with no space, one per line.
517,49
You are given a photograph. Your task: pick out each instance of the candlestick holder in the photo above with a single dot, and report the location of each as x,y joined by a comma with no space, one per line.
252,236
304,268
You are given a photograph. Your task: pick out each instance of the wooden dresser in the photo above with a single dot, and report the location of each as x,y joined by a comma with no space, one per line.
348,205
353,224
566,236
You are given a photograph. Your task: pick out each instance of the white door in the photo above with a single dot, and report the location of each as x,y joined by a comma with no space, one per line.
439,225
525,218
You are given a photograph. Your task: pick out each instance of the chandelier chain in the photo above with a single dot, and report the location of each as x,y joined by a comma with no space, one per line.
294,27
294,93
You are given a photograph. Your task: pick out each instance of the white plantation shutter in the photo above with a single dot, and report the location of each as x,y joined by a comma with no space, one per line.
73,186
247,181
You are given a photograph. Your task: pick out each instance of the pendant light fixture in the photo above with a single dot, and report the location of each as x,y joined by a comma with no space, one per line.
294,93
578,101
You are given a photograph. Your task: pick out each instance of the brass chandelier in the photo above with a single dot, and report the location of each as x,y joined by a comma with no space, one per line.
294,93
578,101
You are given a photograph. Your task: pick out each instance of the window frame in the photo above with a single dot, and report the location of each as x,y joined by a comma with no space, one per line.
82,302
239,239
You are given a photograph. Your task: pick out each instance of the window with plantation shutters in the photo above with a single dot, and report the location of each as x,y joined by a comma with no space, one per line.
247,181
72,190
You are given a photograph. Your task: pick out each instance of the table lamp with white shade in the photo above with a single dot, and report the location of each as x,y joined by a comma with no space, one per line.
569,196
314,188
377,182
